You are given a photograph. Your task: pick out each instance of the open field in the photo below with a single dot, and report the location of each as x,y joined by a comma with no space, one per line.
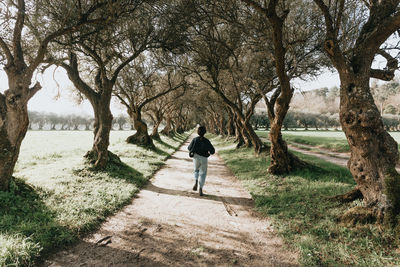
56,197
305,217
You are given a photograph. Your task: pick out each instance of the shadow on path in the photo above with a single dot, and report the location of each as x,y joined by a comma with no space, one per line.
245,202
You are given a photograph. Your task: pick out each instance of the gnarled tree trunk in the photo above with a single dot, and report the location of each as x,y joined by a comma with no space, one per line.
239,139
255,139
14,123
14,120
154,132
141,137
102,127
168,127
374,152
230,125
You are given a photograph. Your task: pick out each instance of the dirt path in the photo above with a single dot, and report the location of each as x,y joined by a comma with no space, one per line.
326,155
171,225
330,156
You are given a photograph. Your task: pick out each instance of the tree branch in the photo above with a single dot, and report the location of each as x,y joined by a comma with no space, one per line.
19,24
6,51
34,90
73,74
160,94
123,64
382,32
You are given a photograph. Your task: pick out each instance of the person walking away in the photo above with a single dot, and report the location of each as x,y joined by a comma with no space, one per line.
201,148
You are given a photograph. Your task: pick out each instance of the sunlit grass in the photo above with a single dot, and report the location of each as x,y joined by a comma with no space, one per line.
303,215
57,197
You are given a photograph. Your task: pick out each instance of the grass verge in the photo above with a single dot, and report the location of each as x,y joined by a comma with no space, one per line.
56,197
304,216
330,143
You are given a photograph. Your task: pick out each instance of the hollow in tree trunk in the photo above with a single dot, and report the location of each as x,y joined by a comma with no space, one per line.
141,137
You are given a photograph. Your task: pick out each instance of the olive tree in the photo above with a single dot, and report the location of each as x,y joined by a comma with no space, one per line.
24,39
355,34
287,45
140,85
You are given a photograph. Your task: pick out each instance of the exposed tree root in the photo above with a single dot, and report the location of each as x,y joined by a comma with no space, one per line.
359,215
348,197
168,133
240,143
294,163
263,149
155,136
142,140
91,157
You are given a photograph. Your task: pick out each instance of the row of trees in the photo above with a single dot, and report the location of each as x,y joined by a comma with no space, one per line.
52,121
248,54
198,61
295,120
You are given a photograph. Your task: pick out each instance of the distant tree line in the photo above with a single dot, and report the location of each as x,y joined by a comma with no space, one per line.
304,120
53,121
323,114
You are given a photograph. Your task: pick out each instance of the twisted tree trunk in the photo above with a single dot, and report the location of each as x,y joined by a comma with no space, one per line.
141,137
154,132
14,120
374,152
14,124
100,155
168,127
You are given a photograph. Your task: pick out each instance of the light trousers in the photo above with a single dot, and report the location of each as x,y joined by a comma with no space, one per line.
200,168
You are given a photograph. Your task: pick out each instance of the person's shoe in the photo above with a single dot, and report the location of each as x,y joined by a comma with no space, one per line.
195,186
201,191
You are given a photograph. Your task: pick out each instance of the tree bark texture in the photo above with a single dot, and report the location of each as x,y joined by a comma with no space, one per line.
100,100
255,139
374,152
168,127
154,132
141,137
14,124
102,127
282,161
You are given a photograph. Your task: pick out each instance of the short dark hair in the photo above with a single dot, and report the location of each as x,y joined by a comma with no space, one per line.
201,131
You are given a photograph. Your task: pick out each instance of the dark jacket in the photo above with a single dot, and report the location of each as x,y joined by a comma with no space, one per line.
201,146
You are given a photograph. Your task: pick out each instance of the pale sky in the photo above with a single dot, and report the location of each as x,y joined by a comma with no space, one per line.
45,100
54,82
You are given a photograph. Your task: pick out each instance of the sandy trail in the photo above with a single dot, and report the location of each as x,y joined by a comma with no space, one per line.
168,224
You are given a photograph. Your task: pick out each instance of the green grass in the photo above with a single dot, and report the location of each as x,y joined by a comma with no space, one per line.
330,143
336,144
56,197
304,216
